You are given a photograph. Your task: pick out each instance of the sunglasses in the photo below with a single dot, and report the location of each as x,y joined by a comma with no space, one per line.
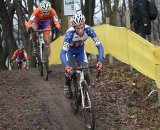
46,12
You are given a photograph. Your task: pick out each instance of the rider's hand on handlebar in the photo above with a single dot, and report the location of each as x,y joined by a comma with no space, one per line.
99,66
30,30
69,69
58,26
11,60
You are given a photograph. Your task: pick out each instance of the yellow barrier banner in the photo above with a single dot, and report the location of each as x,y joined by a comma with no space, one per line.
124,45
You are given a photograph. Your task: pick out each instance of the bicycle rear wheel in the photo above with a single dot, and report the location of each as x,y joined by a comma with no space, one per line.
88,111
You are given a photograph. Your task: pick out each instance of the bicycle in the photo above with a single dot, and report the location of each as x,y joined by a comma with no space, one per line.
18,64
41,56
80,96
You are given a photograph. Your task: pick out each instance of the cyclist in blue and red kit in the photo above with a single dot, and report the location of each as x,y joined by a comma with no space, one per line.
73,49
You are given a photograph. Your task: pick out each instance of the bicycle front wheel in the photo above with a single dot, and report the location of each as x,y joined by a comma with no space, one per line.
39,64
45,70
75,95
87,110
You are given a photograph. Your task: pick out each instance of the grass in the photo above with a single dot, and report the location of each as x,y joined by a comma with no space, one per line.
132,111
31,113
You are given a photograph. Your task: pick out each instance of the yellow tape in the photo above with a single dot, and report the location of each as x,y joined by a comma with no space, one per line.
124,45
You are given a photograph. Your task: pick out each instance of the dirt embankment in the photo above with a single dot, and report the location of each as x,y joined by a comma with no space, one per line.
120,100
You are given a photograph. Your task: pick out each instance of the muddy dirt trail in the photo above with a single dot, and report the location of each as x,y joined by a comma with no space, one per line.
43,105
120,100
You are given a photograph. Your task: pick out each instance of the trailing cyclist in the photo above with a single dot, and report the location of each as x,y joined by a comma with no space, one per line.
20,55
73,49
40,19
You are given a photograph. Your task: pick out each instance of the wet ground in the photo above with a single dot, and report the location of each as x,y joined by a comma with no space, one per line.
120,101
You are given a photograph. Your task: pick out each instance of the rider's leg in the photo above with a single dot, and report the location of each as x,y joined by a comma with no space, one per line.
68,80
47,39
34,37
22,65
83,61
47,51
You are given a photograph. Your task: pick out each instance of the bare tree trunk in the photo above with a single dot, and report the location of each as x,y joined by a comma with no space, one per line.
82,6
7,31
64,19
2,60
108,10
89,11
103,11
30,7
23,30
56,4
114,13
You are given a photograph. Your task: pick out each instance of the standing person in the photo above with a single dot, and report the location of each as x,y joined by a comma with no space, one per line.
73,49
40,19
20,55
140,18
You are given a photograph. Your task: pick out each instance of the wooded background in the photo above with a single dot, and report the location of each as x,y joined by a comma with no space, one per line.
14,14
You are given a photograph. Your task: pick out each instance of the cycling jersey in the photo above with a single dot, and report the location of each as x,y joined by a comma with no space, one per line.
42,20
20,55
74,46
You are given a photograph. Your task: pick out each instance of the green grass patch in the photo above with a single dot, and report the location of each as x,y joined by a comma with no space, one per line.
132,111
31,113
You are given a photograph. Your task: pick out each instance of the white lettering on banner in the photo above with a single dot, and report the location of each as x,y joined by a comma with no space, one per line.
69,7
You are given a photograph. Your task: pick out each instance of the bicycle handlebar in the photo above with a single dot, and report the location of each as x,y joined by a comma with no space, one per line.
43,30
81,68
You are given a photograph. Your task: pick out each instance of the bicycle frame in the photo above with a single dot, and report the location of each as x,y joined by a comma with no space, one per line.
82,98
17,64
81,81
41,56
41,44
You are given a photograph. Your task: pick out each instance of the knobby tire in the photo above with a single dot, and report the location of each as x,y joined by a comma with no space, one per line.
74,95
88,112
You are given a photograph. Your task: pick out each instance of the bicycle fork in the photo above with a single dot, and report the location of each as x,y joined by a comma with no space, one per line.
86,102
41,46
84,93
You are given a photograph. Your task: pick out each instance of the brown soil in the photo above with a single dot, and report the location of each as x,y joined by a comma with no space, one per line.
120,98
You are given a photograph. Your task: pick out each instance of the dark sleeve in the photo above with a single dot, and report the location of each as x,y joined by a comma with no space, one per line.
142,7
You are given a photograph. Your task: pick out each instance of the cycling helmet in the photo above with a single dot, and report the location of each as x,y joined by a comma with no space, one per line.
45,6
77,19
20,47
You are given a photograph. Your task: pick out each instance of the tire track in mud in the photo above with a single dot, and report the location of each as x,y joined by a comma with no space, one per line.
29,102
55,105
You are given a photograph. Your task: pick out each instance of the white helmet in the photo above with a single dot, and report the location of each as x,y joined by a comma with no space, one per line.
20,47
45,6
77,19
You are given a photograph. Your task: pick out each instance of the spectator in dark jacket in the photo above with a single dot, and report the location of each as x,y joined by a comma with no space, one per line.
140,18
